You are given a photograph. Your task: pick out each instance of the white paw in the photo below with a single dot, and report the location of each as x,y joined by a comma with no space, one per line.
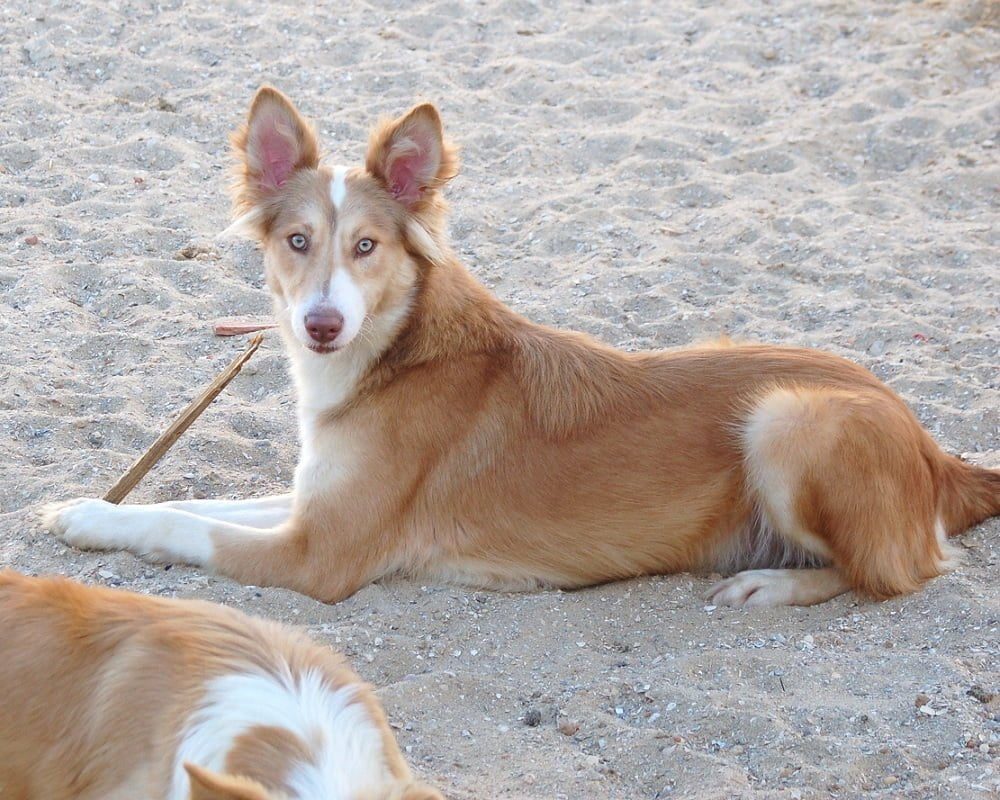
154,532
83,522
778,587
756,588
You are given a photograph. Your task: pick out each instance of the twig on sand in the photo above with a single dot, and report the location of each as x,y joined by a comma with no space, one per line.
234,326
145,463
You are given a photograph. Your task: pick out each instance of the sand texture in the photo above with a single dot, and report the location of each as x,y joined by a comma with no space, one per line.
654,173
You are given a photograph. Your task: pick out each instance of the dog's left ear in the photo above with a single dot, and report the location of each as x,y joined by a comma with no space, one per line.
411,157
411,790
420,791
208,785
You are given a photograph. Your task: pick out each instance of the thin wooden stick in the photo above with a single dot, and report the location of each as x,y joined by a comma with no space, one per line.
126,483
234,326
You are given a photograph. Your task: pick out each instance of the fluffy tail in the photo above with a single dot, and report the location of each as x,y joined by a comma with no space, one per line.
968,494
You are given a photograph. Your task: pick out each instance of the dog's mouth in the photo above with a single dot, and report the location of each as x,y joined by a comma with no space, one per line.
322,348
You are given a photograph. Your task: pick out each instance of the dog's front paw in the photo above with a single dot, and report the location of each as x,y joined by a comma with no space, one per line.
82,522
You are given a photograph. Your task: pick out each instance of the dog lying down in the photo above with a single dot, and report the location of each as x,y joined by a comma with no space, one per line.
110,695
445,436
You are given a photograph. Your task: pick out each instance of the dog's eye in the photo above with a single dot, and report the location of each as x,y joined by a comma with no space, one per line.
364,247
298,241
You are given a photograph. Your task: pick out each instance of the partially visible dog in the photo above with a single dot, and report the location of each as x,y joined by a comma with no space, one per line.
109,695
446,436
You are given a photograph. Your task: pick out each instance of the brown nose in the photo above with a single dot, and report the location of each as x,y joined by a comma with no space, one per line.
323,326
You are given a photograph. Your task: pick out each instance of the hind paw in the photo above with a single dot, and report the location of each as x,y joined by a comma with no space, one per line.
763,588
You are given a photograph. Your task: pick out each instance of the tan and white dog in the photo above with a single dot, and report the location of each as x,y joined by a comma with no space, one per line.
109,695
443,435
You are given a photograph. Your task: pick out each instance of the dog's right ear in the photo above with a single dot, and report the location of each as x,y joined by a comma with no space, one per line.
208,785
271,146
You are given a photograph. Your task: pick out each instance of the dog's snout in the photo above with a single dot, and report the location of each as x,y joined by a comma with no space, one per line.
324,326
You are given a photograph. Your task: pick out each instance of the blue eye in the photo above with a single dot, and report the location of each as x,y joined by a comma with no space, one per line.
364,247
298,241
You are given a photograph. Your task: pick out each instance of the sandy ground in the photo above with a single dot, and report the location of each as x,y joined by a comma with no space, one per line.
818,173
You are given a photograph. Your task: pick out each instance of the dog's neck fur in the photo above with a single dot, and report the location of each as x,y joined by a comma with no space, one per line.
452,314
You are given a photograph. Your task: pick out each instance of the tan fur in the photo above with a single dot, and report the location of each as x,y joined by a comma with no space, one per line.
456,439
98,685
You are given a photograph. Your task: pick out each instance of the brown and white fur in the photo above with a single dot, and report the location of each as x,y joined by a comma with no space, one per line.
443,435
109,695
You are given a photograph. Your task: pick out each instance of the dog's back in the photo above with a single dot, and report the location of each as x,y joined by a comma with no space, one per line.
112,695
76,720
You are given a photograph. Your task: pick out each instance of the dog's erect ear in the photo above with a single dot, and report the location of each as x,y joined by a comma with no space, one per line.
411,157
272,145
207,785
411,790
421,791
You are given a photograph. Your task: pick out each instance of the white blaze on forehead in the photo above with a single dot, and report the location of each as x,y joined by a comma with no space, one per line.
338,186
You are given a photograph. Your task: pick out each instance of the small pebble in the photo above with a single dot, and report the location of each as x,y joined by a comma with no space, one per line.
533,718
568,728
982,695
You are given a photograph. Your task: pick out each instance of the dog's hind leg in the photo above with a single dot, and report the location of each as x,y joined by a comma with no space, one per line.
845,477
779,587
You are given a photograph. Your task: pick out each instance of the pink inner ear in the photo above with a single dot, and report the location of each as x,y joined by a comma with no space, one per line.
276,150
411,167
403,181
